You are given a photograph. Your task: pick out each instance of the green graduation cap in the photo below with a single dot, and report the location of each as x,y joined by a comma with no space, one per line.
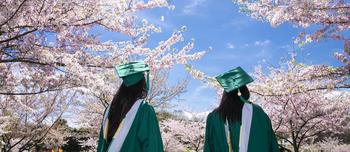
234,79
132,72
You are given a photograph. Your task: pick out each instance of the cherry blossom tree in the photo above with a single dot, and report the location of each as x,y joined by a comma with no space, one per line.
50,46
177,135
34,119
54,139
329,144
170,138
301,102
161,93
331,16
53,46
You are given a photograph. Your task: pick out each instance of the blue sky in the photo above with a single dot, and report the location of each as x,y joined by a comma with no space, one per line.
236,40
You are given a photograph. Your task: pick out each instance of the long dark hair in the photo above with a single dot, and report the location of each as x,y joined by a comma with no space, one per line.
122,103
231,105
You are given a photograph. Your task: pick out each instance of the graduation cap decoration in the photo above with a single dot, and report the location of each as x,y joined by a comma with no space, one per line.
234,79
133,72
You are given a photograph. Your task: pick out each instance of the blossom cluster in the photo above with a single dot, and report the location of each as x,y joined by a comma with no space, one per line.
332,16
302,101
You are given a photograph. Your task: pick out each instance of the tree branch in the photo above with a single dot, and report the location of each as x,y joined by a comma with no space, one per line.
286,139
33,61
17,36
300,92
32,93
305,122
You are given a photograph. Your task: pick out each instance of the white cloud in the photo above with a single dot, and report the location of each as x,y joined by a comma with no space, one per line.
230,46
287,46
190,9
262,53
262,43
244,45
189,115
197,91
239,23
200,95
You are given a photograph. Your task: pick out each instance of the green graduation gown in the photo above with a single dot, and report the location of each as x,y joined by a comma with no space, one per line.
261,136
141,135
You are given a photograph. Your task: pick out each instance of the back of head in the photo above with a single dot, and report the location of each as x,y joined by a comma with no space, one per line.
231,104
134,85
131,93
230,107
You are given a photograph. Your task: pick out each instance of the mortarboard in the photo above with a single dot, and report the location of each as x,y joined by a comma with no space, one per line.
234,79
133,72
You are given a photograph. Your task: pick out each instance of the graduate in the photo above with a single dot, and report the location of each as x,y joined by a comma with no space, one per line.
129,123
238,125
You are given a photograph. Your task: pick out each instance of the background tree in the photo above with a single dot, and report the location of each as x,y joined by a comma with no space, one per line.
75,141
161,93
182,135
301,102
329,144
170,138
55,50
35,120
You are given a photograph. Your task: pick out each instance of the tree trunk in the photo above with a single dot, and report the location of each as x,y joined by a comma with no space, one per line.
295,147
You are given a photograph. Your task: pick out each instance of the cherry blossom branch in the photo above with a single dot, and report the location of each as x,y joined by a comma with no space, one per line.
18,36
345,86
305,137
284,138
15,144
33,93
305,123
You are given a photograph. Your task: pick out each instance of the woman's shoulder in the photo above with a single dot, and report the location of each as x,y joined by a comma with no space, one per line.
146,106
213,115
256,107
259,111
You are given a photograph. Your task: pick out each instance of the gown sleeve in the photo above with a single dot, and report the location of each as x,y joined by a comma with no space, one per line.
264,138
208,135
149,132
273,139
101,142
101,147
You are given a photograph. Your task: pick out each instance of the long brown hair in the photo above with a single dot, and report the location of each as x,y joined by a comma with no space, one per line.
231,105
